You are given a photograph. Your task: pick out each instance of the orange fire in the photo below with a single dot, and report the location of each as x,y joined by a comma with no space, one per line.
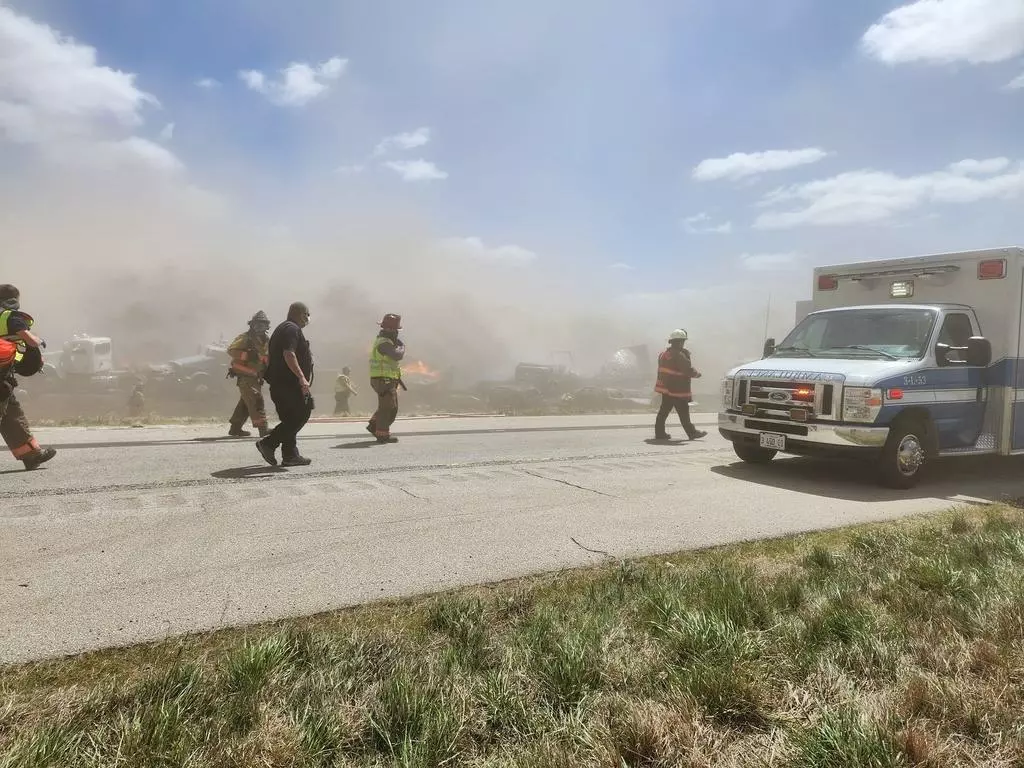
420,368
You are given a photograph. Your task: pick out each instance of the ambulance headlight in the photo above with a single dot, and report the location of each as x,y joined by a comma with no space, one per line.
861,404
727,384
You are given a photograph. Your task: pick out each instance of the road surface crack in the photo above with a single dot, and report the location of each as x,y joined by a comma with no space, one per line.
407,492
588,549
566,482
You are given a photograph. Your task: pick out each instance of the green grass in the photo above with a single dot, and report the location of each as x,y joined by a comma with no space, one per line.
898,644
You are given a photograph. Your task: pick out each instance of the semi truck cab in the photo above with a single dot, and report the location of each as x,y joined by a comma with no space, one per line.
896,362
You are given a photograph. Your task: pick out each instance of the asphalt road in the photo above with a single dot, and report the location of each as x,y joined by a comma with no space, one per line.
132,535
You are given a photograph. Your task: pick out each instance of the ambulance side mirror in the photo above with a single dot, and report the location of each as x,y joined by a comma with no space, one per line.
769,348
977,353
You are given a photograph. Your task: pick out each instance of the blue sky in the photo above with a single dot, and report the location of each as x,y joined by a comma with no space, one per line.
573,130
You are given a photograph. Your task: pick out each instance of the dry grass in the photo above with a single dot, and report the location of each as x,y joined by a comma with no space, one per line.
890,645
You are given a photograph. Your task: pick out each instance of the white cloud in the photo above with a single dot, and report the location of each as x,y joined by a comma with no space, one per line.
351,169
55,95
980,167
763,262
416,170
402,141
299,83
1016,84
947,31
700,224
474,248
208,83
866,196
167,133
740,165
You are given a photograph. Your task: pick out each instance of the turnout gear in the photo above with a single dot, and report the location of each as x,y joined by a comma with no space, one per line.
249,354
386,377
26,360
675,372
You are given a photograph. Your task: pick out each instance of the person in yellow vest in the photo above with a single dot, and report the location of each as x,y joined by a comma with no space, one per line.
21,354
343,390
248,353
386,377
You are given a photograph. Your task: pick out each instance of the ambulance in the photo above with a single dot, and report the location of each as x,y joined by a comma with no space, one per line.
897,362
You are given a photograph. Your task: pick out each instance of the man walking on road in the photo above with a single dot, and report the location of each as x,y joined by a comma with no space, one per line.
386,377
289,374
674,374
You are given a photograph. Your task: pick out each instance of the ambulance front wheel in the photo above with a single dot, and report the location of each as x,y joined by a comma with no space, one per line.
752,454
903,457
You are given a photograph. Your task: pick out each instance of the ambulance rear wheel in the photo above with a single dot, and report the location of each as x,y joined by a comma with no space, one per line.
753,454
901,464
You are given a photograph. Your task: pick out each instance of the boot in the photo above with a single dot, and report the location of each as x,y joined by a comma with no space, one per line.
238,432
662,436
296,461
698,434
387,439
264,431
266,452
34,459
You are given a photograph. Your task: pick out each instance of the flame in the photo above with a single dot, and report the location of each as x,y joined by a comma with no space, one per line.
421,368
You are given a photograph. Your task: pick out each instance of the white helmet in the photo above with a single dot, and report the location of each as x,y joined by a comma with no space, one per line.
677,335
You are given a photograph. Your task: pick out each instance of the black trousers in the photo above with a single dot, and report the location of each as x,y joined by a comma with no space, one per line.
293,411
682,407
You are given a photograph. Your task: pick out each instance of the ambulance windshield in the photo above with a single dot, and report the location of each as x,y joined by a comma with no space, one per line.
891,333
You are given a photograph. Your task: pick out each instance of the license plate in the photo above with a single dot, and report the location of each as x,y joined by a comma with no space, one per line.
774,442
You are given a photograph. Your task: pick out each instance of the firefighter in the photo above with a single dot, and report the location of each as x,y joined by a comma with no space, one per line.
343,390
248,353
386,377
674,374
20,353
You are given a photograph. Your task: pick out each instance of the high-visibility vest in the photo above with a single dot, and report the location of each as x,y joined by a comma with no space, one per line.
674,374
12,337
382,366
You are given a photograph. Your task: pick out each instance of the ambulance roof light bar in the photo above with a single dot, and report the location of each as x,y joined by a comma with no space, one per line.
830,282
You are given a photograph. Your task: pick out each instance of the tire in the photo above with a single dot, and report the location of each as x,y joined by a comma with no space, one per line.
904,455
753,454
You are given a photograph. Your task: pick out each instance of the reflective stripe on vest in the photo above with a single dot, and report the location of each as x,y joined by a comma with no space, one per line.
672,381
382,366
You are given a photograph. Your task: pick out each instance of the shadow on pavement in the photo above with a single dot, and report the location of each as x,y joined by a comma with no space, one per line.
220,439
984,477
678,441
360,444
241,473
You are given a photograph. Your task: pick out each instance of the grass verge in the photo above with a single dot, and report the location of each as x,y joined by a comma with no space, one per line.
888,645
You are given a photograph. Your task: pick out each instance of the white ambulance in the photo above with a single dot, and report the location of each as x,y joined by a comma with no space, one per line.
897,361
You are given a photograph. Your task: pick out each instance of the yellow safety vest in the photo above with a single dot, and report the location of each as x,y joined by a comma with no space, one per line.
382,366
4,317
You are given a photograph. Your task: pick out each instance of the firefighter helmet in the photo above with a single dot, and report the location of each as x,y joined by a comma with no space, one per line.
678,334
391,322
260,319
